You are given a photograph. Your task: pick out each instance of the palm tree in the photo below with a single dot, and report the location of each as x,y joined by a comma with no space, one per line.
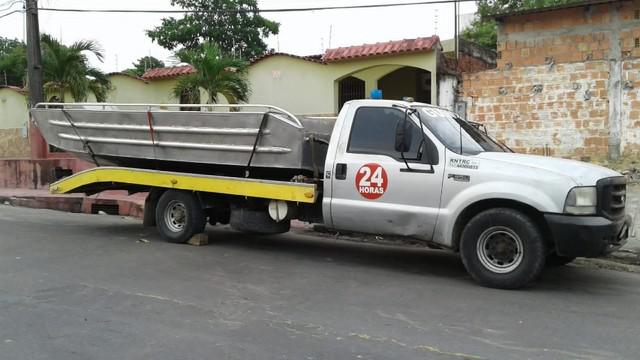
67,69
215,73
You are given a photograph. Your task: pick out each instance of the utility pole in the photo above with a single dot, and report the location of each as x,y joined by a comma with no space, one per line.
34,56
34,76
455,30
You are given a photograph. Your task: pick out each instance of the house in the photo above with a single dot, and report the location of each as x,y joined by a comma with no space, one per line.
315,84
322,84
567,81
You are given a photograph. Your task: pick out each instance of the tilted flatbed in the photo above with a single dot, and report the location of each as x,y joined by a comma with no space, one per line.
104,178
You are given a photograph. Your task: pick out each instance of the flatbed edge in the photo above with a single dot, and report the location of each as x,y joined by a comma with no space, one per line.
259,188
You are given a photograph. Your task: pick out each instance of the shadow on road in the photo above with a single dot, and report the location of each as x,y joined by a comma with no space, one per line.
342,252
328,250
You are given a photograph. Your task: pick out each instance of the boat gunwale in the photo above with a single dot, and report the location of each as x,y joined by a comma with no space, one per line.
293,120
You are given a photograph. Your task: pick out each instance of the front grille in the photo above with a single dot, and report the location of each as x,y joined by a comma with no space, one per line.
612,196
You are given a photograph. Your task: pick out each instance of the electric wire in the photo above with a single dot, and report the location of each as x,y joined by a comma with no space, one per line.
240,11
12,12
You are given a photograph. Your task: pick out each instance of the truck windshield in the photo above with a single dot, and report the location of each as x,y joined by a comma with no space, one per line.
452,130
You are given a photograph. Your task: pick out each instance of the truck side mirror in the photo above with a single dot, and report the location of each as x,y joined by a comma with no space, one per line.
404,134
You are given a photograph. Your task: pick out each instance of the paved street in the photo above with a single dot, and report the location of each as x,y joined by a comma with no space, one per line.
76,286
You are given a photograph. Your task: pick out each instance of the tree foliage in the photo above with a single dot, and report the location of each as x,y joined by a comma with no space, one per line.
67,69
483,29
13,62
215,73
238,34
143,64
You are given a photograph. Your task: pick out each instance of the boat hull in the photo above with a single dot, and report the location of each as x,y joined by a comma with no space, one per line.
204,142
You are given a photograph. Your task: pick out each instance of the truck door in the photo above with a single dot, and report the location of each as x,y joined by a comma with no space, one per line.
372,189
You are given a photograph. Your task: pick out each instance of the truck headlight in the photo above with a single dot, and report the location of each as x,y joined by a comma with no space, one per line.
581,201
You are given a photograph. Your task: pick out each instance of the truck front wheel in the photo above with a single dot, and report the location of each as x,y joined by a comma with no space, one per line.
179,216
502,248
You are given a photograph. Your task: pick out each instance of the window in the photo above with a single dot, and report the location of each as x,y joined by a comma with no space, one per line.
350,88
374,131
458,135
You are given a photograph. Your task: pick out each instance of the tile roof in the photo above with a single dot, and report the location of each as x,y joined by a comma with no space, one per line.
168,72
330,55
14,88
379,49
312,58
122,73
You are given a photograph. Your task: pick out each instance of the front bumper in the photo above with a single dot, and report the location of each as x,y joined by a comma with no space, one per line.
587,236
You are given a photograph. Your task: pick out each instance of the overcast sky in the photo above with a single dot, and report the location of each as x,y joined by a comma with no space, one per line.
124,40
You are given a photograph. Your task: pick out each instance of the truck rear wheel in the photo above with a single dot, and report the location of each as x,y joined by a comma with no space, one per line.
179,216
502,248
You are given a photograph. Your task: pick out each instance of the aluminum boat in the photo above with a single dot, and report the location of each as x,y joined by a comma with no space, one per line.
256,140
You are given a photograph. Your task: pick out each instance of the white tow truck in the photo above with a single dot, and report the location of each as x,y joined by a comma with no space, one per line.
393,168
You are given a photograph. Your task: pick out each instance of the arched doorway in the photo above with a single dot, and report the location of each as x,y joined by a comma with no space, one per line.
406,82
350,88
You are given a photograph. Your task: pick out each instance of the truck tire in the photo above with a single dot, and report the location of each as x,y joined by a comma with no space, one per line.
502,248
555,260
257,222
179,216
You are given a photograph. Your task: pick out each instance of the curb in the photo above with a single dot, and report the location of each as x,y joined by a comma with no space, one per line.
78,204
607,264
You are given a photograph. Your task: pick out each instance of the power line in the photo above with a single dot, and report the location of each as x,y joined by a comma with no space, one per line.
240,11
9,13
8,1
11,4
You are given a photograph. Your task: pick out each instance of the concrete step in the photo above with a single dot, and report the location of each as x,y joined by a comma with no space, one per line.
108,202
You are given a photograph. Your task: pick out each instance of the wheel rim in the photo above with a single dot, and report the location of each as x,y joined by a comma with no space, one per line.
175,216
500,249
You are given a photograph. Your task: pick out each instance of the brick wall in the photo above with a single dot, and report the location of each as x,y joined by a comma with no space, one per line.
563,109
631,109
536,38
467,63
566,84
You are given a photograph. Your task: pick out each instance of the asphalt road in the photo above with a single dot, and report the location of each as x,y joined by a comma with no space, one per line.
78,286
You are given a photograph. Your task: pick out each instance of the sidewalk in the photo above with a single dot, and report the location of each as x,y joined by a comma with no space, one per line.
110,202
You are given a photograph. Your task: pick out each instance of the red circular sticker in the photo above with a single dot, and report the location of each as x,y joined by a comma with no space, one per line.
372,181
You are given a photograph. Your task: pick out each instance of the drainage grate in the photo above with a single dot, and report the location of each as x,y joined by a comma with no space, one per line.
111,209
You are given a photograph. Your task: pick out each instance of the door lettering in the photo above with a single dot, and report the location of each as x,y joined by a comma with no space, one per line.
372,181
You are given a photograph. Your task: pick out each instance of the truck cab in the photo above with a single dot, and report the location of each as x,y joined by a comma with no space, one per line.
412,169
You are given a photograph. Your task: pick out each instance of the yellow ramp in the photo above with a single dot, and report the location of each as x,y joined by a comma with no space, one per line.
267,189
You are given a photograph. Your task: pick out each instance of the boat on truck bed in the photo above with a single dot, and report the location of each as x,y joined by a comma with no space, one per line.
387,168
207,139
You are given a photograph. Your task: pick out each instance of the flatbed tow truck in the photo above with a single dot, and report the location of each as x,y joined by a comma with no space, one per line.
384,167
